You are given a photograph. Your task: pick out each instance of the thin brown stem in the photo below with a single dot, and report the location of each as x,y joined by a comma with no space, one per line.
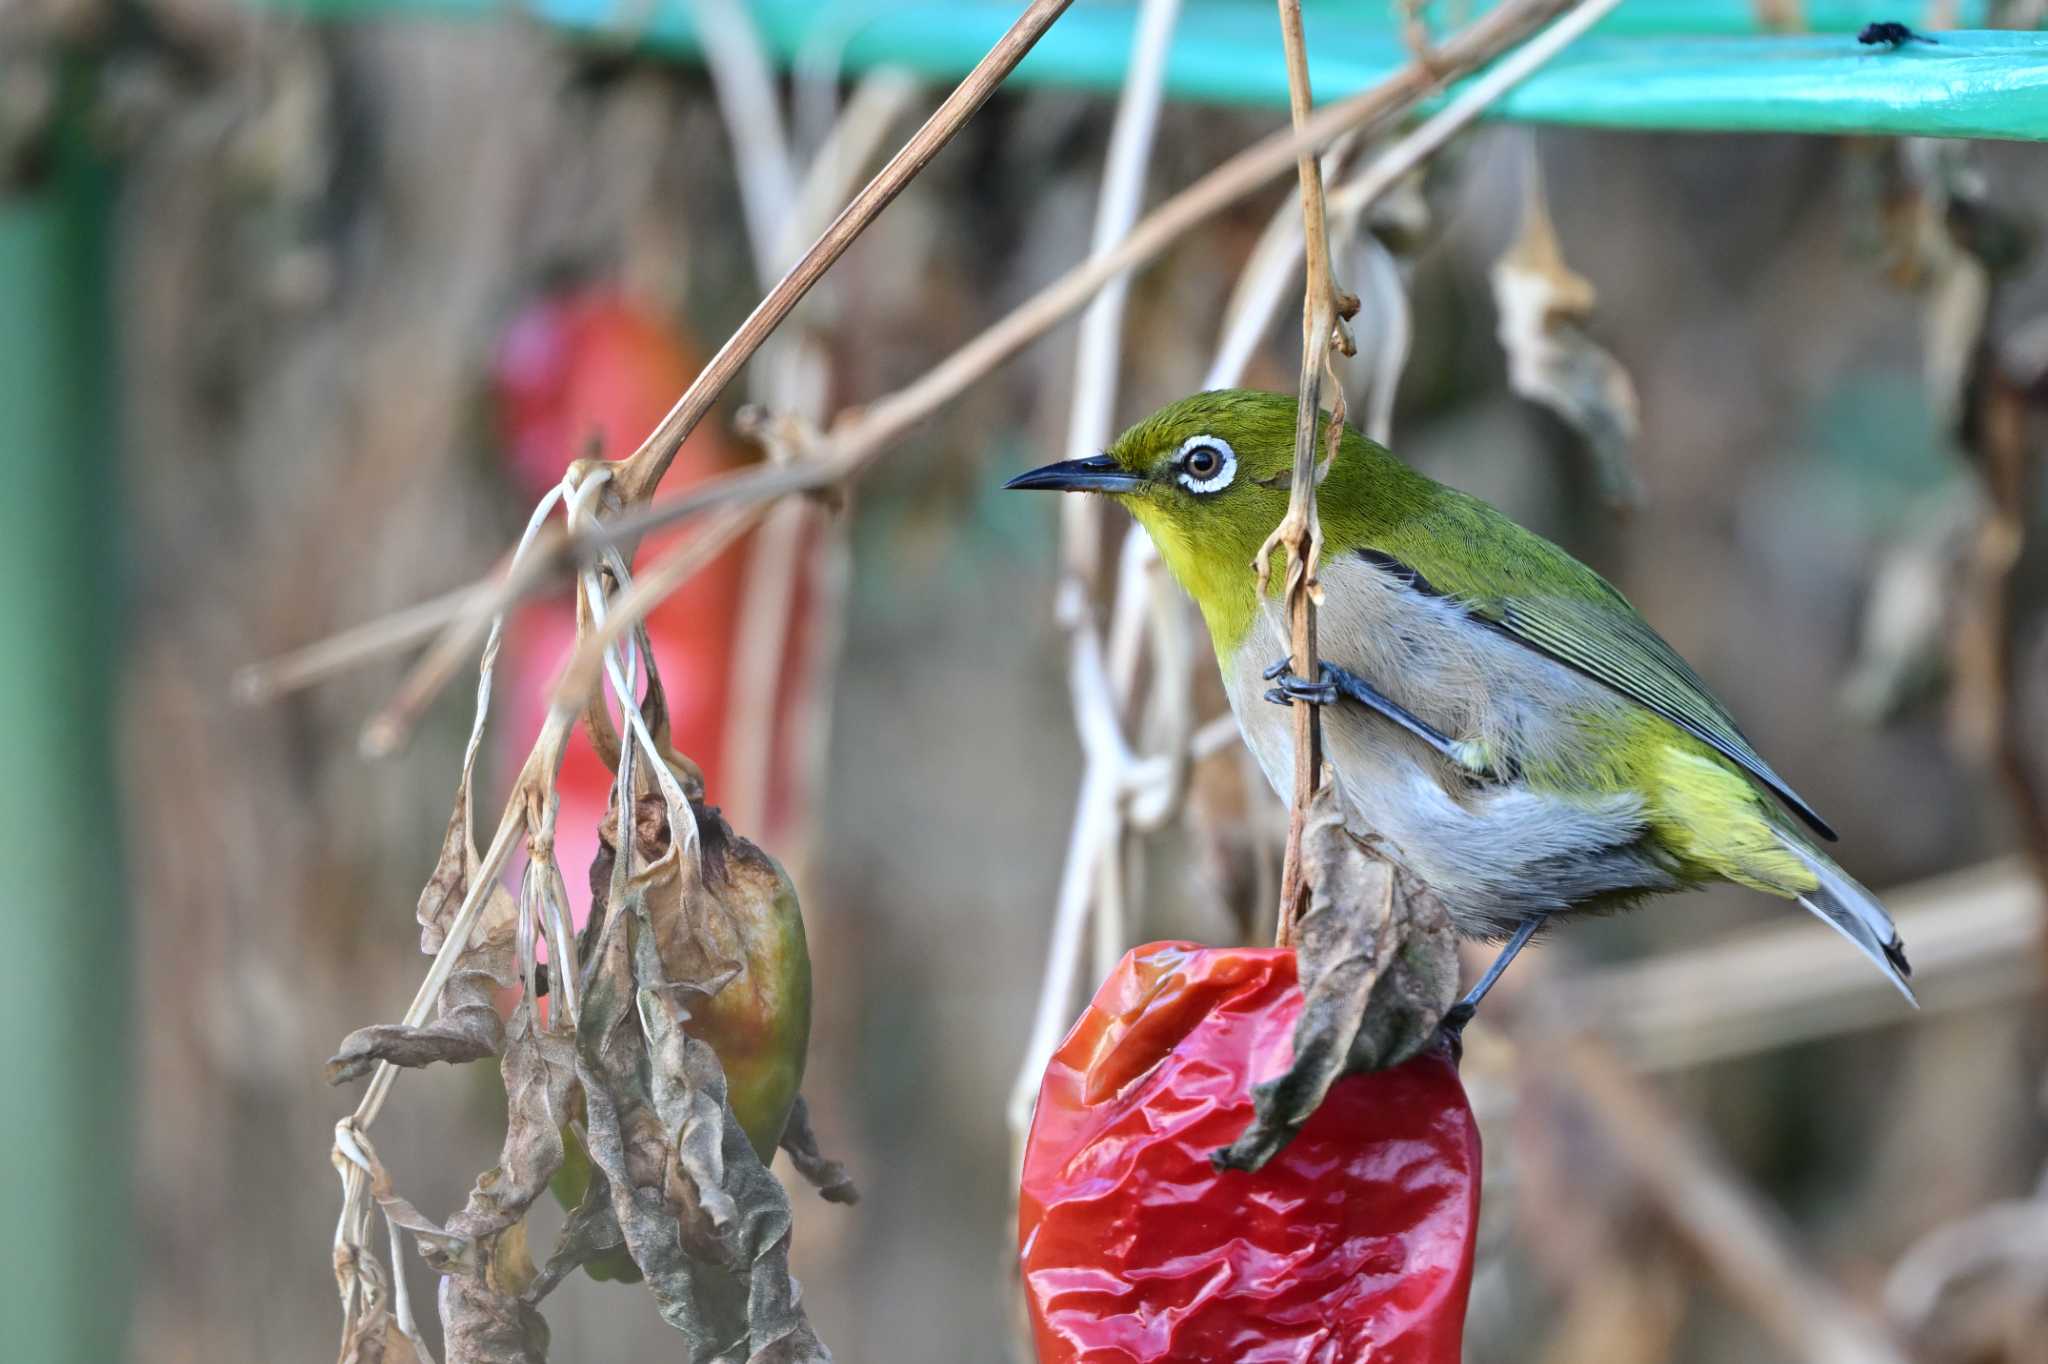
643,470
864,434
1300,533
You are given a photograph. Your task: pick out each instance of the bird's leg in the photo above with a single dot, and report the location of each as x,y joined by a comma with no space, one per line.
1337,682
1461,1013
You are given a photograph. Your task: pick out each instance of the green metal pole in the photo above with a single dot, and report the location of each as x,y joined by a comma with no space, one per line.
66,1104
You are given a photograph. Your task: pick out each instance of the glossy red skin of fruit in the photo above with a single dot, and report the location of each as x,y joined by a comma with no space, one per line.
1353,1244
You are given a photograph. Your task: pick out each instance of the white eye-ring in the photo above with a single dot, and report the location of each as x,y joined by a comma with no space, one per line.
1206,464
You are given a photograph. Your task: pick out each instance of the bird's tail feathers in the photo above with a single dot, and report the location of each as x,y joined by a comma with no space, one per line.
1854,913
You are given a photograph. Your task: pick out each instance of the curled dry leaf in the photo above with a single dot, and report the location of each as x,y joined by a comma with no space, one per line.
483,1326
703,1218
591,1237
372,1334
466,1026
1543,307
449,883
827,1176
540,1072
481,1253
1379,967
467,1029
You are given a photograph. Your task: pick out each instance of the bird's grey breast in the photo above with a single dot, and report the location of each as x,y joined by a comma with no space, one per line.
1493,849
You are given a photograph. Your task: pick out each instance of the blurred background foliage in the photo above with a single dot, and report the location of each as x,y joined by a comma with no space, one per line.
323,231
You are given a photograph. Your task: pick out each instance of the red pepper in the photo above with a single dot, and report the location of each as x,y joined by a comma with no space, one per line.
1353,1244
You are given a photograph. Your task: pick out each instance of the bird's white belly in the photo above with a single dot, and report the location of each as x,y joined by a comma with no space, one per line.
1494,851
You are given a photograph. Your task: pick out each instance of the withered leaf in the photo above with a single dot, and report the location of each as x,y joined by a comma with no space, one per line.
457,864
710,1228
539,1070
745,1203
467,1029
592,1230
372,1335
1543,306
485,1326
481,1253
1379,968
449,883
825,1175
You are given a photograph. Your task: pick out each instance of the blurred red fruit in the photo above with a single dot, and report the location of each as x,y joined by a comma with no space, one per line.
582,372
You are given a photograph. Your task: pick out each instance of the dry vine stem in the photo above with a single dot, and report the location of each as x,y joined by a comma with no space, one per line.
864,434
644,468
1114,780
1323,313
532,800
1118,790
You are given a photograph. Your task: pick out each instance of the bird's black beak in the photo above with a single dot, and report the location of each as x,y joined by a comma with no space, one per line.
1095,474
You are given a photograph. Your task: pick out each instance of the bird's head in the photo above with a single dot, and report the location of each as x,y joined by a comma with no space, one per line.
1207,476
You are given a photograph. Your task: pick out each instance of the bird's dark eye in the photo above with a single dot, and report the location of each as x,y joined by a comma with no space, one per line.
1205,464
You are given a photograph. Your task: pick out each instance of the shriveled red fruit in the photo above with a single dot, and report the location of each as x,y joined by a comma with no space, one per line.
1353,1244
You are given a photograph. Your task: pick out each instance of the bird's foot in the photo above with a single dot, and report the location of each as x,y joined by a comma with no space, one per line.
1292,688
1471,756
1453,1026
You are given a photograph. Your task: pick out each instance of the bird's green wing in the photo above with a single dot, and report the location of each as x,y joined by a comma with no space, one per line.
1543,598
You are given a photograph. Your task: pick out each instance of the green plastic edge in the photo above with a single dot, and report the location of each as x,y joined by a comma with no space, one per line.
1973,83
70,1103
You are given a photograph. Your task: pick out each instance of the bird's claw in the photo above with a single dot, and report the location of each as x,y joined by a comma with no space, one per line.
1292,688
1473,757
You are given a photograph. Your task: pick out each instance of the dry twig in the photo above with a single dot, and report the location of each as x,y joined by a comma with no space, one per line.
1300,533
1098,702
864,434
642,471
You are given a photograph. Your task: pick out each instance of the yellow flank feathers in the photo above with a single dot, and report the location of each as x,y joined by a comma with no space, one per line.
1708,814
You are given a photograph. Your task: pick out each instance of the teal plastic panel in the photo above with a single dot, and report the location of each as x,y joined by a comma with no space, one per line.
1678,65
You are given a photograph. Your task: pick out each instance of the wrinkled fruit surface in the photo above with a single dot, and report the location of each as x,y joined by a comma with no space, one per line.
734,945
1354,1244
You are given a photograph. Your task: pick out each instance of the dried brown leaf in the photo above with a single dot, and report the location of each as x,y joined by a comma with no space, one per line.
1543,306
457,865
482,1253
591,1231
709,1226
372,1335
466,1029
449,883
485,1326
1379,967
540,1072
825,1175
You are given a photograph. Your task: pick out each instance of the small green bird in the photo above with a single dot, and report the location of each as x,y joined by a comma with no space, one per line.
1523,739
